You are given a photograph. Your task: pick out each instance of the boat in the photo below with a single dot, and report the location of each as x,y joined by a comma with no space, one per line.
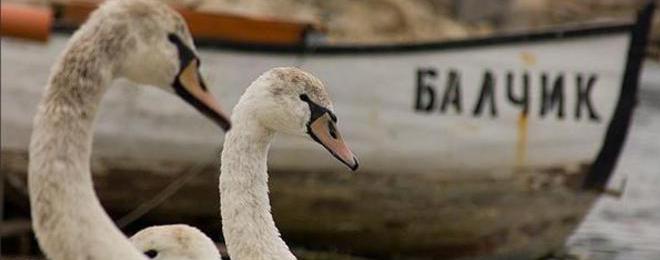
484,148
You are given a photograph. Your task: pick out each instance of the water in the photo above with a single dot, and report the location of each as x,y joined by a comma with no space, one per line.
628,227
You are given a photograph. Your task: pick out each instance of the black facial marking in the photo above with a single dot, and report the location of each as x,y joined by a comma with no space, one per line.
186,56
201,82
151,253
317,110
332,130
201,107
332,116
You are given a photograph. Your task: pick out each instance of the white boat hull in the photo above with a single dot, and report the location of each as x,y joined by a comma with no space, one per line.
444,132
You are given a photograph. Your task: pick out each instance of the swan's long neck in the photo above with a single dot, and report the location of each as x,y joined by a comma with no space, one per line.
68,219
247,223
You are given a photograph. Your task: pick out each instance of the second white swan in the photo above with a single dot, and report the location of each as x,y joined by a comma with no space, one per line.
286,100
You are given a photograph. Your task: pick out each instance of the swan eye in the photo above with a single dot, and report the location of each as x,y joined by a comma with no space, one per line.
304,97
151,253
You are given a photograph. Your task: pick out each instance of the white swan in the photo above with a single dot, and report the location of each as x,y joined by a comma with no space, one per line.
285,100
141,40
175,242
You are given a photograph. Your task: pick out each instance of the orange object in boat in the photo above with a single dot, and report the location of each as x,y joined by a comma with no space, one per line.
243,29
26,22
209,26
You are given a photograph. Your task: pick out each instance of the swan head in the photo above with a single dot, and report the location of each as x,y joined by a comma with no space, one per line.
293,101
155,48
171,242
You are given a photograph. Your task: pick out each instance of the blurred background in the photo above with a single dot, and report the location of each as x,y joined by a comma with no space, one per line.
387,21
622,226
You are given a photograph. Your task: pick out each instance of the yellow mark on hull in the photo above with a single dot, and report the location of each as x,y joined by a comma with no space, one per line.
521,145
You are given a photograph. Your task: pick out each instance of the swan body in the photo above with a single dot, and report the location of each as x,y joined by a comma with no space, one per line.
143,41
175,242
286,100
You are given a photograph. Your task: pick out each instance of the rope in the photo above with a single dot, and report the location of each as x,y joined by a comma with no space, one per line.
167,192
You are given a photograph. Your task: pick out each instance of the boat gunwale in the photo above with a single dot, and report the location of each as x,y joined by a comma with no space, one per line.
308,49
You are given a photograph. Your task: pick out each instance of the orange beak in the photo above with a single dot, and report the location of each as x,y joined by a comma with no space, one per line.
190,86
324,131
